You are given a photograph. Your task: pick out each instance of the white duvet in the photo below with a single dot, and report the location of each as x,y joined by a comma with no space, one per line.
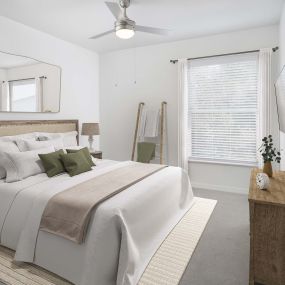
124,232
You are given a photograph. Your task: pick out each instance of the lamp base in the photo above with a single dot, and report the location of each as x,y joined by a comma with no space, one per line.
91,140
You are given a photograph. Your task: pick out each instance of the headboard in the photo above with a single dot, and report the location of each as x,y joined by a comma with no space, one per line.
11,128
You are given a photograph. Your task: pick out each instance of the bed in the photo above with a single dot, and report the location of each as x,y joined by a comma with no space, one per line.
124,231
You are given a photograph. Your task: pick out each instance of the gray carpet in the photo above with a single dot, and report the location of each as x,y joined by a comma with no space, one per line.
222,255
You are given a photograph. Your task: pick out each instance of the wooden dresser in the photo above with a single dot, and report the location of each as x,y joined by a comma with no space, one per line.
267,231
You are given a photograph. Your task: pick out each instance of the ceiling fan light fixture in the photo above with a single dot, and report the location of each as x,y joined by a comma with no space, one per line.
125,33
124,27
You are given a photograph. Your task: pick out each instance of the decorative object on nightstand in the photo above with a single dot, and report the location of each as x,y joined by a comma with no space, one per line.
97,154
269,153
262,181
90,129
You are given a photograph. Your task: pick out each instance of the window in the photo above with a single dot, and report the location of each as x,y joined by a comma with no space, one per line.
22,95
222,114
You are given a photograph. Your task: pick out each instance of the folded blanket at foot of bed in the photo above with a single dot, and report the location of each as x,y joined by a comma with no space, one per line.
68,213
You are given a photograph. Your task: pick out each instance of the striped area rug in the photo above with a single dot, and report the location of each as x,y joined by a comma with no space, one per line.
171,259
165,268
24,273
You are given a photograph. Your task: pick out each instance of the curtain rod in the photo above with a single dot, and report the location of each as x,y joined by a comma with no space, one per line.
42,77
233,53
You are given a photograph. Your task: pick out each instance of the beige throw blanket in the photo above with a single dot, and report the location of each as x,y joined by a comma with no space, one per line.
67,214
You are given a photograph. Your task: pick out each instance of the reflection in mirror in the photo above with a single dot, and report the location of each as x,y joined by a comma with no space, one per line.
28,85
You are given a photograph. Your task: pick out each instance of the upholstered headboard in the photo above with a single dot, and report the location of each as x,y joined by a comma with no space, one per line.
11,128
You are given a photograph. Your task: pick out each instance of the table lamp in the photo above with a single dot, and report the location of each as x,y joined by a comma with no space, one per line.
90,129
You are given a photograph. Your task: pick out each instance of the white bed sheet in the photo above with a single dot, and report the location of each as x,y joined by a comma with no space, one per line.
124,232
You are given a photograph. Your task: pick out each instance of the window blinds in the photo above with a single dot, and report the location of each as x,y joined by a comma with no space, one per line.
222,114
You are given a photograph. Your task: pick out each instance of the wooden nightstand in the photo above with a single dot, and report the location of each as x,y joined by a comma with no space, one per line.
97,154
267,231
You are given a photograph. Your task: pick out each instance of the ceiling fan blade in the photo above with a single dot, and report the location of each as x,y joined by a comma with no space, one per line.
115,9
152,30
102,35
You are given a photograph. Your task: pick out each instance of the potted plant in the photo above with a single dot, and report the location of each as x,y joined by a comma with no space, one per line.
269,153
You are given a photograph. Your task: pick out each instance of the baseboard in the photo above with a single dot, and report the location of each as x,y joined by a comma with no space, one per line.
223,188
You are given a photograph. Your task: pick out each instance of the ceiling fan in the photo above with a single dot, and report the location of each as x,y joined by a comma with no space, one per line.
125,28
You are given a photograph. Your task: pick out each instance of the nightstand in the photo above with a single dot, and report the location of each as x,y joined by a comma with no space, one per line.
97,154
267,230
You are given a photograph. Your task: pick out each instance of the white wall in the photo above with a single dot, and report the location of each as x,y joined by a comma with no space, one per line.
157,80
3,75
80,71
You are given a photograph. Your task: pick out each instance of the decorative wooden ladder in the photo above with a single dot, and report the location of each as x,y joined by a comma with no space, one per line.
162,130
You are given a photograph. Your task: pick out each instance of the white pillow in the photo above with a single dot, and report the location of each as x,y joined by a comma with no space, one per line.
8,146
69,138
20,165
21,143
18,138
57,143
21,136
75,147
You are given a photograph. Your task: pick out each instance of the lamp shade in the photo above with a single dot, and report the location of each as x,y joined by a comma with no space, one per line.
90,129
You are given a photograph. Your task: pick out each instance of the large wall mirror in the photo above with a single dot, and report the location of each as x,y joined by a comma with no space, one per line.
28,85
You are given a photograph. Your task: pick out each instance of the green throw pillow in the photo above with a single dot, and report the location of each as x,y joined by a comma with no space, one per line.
52,163
75,163
86,153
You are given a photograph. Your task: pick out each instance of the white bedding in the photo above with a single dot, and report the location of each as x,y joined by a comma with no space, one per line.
124,232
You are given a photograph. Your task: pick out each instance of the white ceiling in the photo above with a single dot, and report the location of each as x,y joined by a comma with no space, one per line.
77,20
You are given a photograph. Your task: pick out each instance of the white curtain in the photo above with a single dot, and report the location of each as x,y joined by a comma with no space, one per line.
264,95
4,96
182,114
39,94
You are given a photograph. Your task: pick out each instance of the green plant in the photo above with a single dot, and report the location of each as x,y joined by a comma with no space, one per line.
268,151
